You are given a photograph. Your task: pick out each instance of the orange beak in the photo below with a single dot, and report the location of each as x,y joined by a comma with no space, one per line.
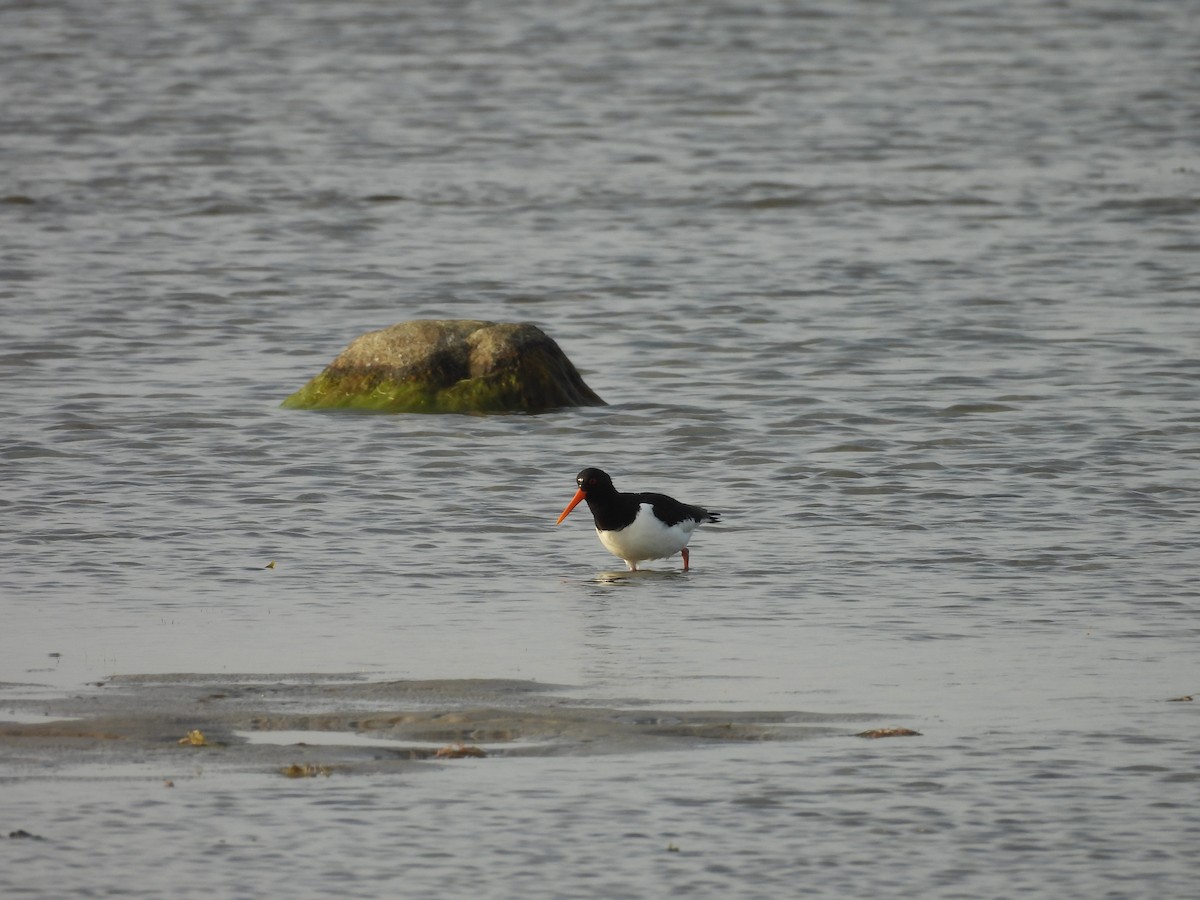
575,501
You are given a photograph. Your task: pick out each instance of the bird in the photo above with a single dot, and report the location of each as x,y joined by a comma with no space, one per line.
637,527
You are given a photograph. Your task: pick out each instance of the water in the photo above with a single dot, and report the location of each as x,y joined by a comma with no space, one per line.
907,291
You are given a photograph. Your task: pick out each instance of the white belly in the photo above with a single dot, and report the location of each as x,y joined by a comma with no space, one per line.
647,537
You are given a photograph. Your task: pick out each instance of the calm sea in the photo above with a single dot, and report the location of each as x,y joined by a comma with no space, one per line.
909,291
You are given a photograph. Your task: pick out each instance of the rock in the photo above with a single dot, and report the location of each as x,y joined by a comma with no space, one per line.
448,366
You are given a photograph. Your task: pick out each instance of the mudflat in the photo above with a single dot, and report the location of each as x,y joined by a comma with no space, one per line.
304,724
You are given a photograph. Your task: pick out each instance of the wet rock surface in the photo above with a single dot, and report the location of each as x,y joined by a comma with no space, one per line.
449,366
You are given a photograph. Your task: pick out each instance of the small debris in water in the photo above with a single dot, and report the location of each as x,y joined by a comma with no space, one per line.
672,848
1186,698
459,751
307,770
194,738
888,732
270,565
22,833
168,783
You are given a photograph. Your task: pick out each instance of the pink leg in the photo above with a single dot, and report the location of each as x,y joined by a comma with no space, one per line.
684,551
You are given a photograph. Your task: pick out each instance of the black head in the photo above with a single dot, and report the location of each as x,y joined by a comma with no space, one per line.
594,486
594,480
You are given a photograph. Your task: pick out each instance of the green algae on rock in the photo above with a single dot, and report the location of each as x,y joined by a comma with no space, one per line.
448,366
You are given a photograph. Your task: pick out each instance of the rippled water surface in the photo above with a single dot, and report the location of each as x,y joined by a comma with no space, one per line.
908,291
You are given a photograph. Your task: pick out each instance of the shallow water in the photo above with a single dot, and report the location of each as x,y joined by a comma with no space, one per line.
908,292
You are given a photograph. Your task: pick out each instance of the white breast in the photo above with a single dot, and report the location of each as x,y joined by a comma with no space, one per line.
647,537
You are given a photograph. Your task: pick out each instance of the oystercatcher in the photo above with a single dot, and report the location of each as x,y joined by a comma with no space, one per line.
636,527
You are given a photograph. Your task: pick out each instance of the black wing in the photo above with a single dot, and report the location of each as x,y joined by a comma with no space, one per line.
673,512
